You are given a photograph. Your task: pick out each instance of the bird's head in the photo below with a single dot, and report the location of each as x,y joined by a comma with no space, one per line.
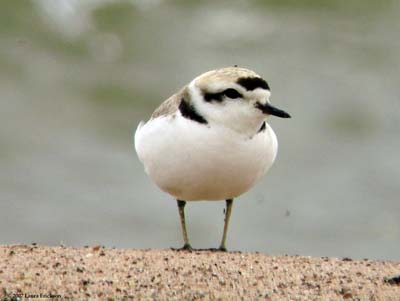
233,97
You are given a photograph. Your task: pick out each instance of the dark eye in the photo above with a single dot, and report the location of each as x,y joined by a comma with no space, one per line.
232,93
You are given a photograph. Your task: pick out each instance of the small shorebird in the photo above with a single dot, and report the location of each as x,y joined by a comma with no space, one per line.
210,141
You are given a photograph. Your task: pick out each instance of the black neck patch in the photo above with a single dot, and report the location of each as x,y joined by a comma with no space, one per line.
189,112
252,83
262,128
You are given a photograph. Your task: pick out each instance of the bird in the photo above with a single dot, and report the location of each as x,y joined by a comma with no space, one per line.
210,141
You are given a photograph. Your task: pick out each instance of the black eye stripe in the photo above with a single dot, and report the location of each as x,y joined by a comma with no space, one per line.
209,97
219,97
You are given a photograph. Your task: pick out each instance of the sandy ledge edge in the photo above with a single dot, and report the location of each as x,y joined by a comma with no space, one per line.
32,271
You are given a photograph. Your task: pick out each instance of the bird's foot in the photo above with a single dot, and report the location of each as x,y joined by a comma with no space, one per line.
186,247
222,249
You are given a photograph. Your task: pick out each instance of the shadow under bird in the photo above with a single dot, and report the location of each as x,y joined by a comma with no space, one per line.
210,141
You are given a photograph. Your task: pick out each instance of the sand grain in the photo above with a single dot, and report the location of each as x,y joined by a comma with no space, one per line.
97,272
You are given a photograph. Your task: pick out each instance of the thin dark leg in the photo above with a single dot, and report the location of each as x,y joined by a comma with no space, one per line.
228,211
181,207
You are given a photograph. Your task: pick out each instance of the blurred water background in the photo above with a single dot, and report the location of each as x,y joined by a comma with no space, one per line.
76,77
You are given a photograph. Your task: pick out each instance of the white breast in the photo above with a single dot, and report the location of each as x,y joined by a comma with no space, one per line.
193,161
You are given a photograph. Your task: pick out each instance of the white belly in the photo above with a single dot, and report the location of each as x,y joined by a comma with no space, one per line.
193,161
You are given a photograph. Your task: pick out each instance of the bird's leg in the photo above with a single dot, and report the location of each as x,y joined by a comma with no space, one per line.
181,207
228,210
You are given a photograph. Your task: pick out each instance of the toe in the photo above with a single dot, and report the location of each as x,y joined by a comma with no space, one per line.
186,247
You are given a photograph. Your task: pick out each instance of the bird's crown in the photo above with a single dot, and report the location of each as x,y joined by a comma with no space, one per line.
231,77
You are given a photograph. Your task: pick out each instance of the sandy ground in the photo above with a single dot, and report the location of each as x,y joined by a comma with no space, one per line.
31,271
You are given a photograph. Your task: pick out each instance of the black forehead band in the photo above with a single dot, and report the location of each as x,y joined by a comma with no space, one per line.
252,83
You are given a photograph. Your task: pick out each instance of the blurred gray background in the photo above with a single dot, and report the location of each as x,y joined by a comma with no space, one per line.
76,77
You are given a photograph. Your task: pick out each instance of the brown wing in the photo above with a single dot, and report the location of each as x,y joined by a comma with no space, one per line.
170,105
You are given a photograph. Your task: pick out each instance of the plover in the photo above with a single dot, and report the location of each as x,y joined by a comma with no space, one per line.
210,141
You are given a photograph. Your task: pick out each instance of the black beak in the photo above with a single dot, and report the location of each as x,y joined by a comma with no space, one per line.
271,110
